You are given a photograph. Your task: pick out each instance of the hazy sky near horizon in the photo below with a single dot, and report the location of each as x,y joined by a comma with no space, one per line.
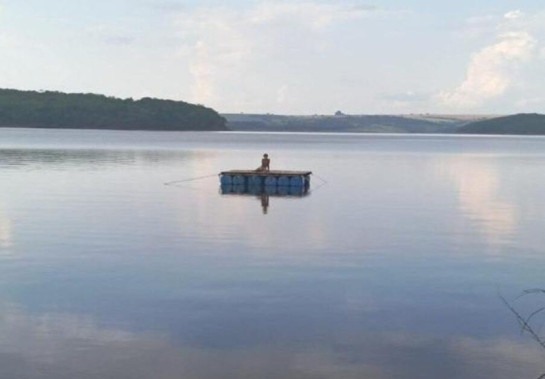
291,57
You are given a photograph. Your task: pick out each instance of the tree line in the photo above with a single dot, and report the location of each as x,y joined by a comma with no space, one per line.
49,109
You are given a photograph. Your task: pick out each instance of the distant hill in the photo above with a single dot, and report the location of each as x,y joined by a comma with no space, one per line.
347,123
525,123
32,109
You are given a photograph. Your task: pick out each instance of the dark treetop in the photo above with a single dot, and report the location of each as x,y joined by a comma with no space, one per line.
31,109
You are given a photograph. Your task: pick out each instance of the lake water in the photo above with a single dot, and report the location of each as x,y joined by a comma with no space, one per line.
393,266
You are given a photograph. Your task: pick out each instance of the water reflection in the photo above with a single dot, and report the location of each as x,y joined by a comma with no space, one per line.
6,233
35,159
120,276
55,345
478,186
264,193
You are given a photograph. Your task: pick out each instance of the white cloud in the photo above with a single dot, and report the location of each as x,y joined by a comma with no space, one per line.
166,5
233,50
479,26
492,71
407,100
220,47
309,14
513,15
282,94
116,36
530,103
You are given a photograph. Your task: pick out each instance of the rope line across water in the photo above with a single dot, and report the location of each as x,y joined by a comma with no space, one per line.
189,179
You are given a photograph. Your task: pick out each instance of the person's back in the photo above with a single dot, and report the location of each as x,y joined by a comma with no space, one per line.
265,163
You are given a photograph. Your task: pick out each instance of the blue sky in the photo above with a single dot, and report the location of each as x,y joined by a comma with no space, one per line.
292,57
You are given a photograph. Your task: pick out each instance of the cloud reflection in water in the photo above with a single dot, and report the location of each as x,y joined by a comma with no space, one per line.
124,277
6,233
477,183
51,346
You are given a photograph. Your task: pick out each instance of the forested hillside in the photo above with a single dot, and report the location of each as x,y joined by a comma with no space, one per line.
33,109
525,123
343,123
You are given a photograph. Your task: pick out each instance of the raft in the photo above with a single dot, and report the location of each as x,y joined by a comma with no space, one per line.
272,178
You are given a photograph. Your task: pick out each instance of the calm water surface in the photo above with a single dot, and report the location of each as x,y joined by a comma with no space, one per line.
392,267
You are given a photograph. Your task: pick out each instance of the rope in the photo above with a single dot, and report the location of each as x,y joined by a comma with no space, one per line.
319,177
317,188
324,182
189,179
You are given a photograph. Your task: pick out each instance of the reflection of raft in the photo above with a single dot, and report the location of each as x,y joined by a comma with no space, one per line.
270,179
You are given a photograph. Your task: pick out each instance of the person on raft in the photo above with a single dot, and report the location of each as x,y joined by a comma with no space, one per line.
265,163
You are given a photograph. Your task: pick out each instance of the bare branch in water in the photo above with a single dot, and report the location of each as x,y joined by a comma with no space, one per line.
529,318
531,291
525,326
524,323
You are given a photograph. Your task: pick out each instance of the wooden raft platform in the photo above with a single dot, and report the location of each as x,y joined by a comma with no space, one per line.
270,178
266,173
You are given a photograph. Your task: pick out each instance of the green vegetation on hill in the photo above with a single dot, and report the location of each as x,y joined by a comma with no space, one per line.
341,123
525,123
32,109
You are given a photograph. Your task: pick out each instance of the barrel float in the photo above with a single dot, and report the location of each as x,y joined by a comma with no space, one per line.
238,180
226,188
255,190
270,190
226,180
283,181
255,180
239,188
283,190
270,181
297,190
297,181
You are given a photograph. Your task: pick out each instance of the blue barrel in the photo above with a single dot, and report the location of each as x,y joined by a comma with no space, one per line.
226,188
297,181
297,190
270,190
255,190
226,180
270,181
255,180
283,190
239,180
239,188
283,181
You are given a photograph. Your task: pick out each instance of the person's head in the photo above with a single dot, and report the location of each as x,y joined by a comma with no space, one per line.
265,155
